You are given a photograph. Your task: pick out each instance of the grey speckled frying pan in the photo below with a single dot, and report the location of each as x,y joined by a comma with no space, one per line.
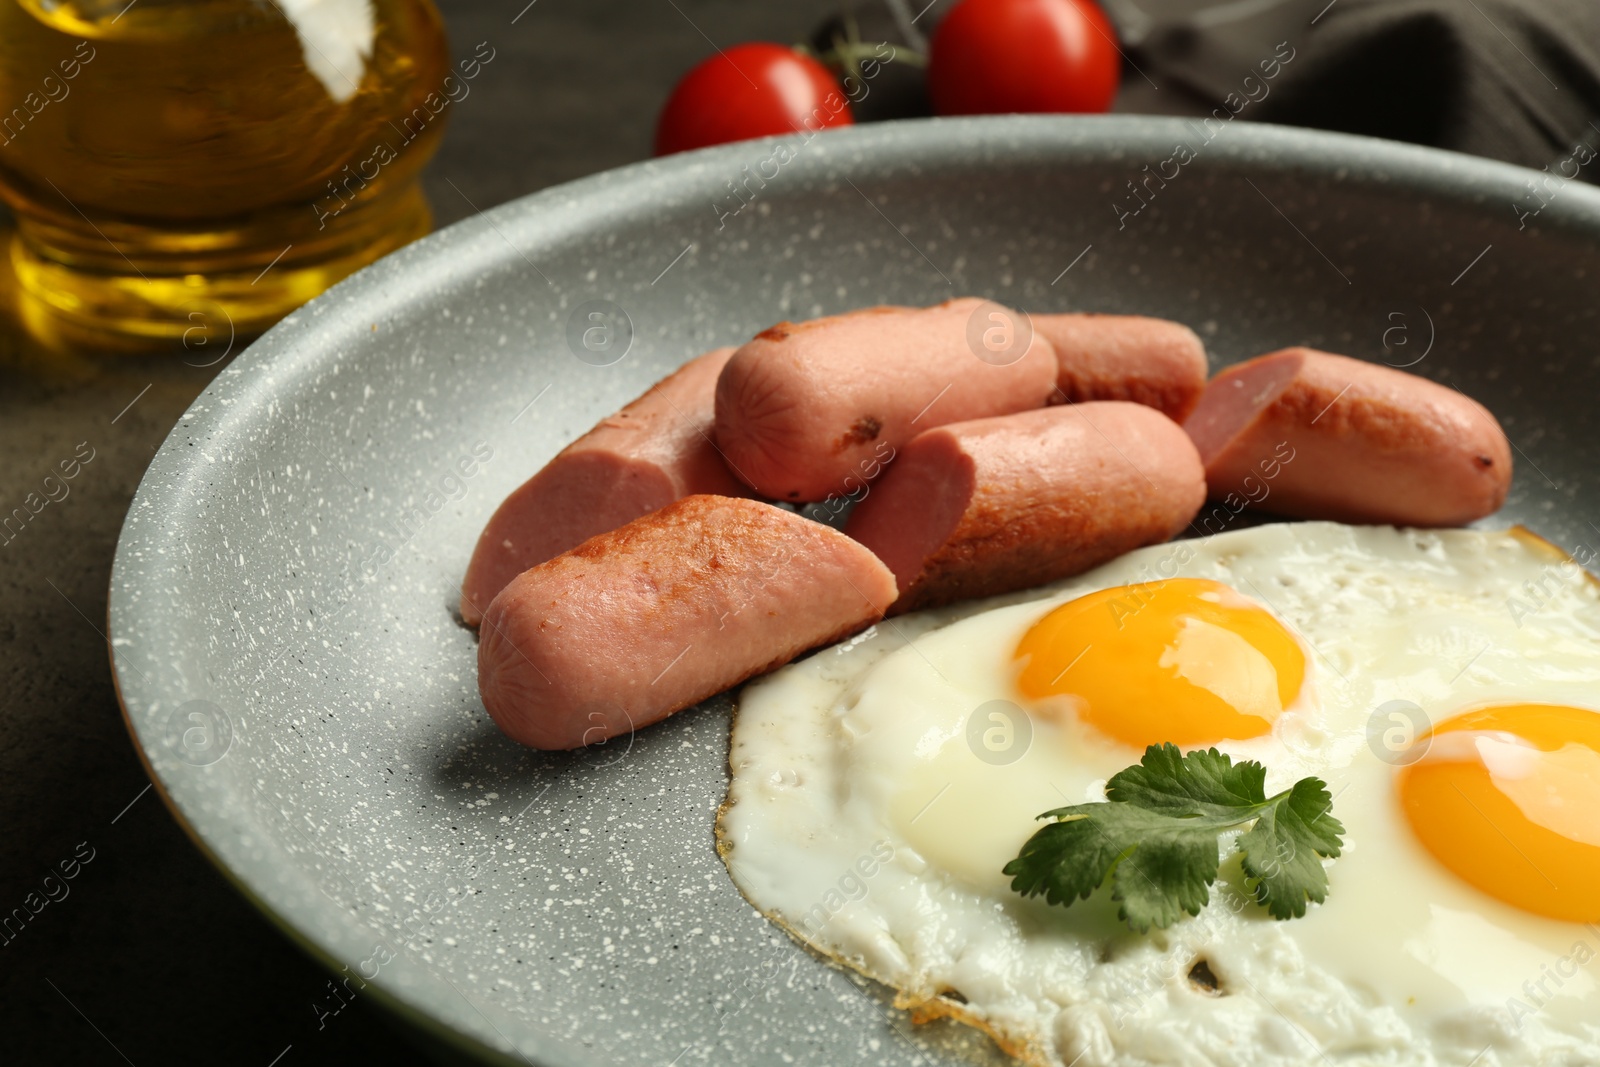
282,601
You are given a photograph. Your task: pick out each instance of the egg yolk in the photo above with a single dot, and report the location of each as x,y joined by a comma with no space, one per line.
1508,798
1186,660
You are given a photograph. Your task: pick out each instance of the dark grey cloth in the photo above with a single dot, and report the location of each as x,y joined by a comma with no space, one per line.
1516,80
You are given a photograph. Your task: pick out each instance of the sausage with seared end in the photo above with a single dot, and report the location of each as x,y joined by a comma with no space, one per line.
992,505
1370,444
804,408
656,450
659,614
1154,362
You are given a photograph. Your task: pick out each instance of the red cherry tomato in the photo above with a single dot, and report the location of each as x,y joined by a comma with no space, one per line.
991,57
750,90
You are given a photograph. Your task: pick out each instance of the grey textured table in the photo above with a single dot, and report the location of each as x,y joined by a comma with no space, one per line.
150,957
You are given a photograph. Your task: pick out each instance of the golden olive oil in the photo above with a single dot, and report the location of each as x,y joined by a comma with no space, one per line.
209,165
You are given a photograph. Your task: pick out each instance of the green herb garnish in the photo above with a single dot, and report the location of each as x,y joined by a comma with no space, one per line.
1156,839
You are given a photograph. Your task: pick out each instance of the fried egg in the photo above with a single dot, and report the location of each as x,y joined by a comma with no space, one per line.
1445,684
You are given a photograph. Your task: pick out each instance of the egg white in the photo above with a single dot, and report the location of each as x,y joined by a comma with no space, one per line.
860,819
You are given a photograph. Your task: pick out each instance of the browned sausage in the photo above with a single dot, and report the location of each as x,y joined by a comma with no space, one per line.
804,408
1154,362
656,615
984,507
1365,443
656,450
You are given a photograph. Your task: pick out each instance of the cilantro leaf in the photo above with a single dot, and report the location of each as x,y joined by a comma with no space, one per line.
1155,839
1203,782
1283,850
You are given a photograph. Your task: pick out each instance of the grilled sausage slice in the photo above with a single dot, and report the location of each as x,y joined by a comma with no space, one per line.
1154,362
804,409
665,611
993,505
1370,444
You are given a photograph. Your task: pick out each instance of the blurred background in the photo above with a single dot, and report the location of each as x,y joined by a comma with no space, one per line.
147,955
